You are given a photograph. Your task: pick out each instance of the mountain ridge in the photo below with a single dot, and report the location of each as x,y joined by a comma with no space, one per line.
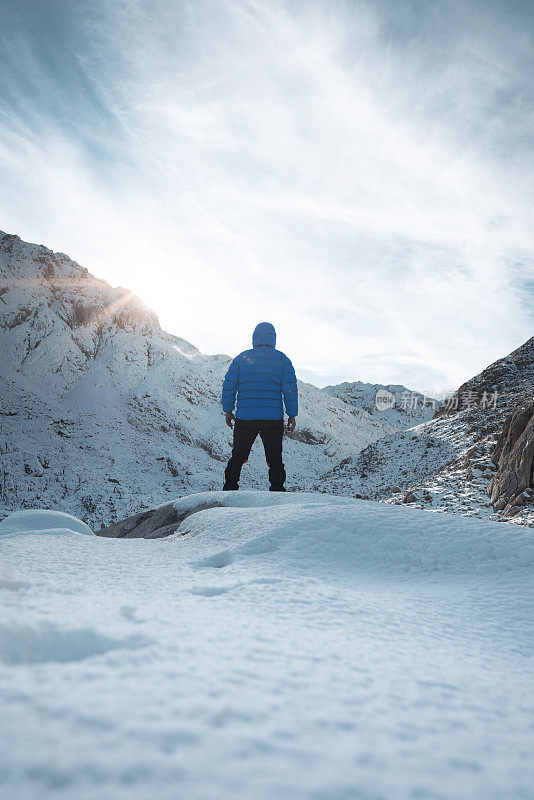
408,407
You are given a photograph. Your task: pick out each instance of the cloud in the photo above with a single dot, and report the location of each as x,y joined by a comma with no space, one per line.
358,173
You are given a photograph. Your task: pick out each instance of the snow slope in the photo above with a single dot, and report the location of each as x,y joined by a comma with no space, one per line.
103,412
290,646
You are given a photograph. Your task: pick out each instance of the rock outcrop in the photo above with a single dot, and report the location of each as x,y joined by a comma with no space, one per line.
513,484
156,523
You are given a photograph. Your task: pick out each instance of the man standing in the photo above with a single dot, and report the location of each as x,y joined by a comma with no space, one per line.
261,378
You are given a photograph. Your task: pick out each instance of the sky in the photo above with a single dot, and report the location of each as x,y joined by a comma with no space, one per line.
360,174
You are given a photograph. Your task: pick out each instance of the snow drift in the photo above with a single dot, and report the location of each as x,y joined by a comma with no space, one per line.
42,521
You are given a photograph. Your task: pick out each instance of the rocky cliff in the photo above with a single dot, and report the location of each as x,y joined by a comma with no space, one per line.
512,486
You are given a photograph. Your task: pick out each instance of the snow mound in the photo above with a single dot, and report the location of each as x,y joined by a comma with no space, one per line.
41,520
347,538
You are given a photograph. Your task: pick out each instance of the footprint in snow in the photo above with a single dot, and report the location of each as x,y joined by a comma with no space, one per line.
215,561
259,546
214,591
129,613
24,644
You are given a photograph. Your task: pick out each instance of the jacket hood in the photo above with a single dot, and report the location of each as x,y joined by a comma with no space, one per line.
264,333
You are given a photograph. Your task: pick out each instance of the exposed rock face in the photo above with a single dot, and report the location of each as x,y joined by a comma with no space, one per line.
155,523
511,487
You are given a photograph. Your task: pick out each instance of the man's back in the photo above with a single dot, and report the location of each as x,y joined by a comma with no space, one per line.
262,378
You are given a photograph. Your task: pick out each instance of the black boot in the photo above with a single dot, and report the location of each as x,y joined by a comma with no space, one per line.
231,475
231,478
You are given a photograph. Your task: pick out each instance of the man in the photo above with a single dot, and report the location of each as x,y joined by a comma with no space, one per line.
261,378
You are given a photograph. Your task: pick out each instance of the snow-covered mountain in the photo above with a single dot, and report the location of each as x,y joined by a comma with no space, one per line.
446,463
104,413
396,405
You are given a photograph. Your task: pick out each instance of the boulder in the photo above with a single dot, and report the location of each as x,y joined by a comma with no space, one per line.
155,523
513,455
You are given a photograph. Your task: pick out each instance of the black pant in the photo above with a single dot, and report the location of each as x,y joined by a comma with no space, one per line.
245,432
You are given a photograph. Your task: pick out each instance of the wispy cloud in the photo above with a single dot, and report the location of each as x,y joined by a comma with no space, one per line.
358,173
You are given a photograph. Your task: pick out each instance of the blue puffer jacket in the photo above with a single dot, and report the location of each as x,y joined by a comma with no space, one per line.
261,377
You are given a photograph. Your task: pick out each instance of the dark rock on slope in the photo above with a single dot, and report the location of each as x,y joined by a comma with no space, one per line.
513,483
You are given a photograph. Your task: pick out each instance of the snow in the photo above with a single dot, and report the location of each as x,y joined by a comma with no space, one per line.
42,521
278,646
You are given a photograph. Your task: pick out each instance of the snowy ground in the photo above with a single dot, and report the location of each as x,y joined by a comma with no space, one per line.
288,646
